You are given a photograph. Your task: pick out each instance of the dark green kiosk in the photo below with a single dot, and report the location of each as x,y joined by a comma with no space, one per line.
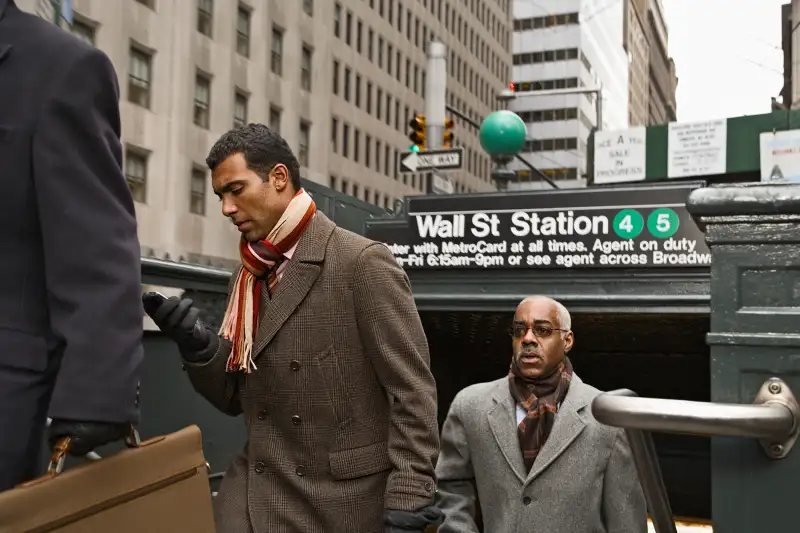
683,297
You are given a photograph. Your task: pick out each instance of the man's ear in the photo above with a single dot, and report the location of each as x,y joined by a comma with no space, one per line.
569,338
279,176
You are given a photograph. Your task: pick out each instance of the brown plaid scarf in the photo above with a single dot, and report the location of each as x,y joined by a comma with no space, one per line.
540,397
260,262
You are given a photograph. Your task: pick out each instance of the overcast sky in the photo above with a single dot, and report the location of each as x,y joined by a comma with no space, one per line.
727,54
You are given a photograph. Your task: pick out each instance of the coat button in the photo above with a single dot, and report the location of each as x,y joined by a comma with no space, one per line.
300,471
428,486
526,500
296,420
295,365
262,414
260,467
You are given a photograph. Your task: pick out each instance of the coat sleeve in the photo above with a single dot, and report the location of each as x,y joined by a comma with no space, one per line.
209,377
391,332
457,496
624,505
90,243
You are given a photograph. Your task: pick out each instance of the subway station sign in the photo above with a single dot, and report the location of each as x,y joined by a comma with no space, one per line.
637,227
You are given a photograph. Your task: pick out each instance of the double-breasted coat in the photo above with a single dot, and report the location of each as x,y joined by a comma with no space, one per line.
341,411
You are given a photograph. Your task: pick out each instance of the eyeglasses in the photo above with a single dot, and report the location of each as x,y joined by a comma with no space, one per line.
541,331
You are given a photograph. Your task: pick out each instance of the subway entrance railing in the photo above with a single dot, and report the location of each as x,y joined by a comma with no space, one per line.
773,419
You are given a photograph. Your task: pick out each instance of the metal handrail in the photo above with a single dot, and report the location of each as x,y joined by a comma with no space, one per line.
647,466
773,419
763,421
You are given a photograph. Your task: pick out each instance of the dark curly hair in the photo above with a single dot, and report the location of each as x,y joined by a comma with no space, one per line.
262,149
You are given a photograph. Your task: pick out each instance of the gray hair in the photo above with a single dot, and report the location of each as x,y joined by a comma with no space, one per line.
564,318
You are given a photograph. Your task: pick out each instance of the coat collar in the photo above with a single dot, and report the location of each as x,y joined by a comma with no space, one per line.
300,275
570,422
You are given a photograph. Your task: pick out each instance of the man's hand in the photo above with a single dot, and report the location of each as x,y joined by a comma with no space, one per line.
179,320
425,520
86,436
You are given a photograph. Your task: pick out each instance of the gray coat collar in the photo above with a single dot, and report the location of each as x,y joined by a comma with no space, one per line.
569,423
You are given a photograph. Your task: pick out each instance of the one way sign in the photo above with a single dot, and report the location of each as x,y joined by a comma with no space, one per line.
452,159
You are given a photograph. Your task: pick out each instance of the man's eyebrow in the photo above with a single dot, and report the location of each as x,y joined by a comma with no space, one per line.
227,187
535,321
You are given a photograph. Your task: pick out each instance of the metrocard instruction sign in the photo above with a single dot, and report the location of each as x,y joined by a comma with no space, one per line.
619,227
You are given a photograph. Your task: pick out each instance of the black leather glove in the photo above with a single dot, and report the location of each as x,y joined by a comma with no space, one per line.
86,436
178,318
426,520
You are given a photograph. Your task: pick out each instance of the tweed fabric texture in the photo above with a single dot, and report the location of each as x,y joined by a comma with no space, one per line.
341,410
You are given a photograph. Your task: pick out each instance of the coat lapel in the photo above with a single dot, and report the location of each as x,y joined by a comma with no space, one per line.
502,421
300,275
568,425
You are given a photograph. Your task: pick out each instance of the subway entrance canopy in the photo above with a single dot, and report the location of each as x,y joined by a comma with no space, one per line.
623,248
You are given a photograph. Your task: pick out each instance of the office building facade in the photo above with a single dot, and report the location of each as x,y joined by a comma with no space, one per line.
652,78
339,79
559,45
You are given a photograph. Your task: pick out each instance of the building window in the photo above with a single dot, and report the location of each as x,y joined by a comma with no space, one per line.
197,192
276,62
202,100
139,78
308,7
304,139
305,67
205,16
239,110
335,81
136,174
337,19
335,134
83,31
275,119
243,32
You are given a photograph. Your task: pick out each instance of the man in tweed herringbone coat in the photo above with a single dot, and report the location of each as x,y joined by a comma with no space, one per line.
341,410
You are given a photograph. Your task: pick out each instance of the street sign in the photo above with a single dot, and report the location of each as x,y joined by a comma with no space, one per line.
441,184
452,159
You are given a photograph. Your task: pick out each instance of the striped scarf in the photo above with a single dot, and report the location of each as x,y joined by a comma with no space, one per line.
260,262
540,398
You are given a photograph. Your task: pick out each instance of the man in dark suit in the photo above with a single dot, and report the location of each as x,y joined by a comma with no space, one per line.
323,352
70,309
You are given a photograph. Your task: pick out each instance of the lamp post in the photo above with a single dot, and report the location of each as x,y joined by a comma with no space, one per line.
517,156
508,95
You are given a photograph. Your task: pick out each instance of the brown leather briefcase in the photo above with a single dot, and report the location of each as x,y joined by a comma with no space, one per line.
156,486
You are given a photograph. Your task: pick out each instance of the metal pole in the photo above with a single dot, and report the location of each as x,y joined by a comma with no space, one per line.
559,92
599,108
436,94
649,470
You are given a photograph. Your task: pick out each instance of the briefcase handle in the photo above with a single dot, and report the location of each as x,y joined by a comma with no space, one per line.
62,447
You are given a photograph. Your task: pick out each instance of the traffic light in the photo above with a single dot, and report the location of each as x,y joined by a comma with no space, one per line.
417,134
447,138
